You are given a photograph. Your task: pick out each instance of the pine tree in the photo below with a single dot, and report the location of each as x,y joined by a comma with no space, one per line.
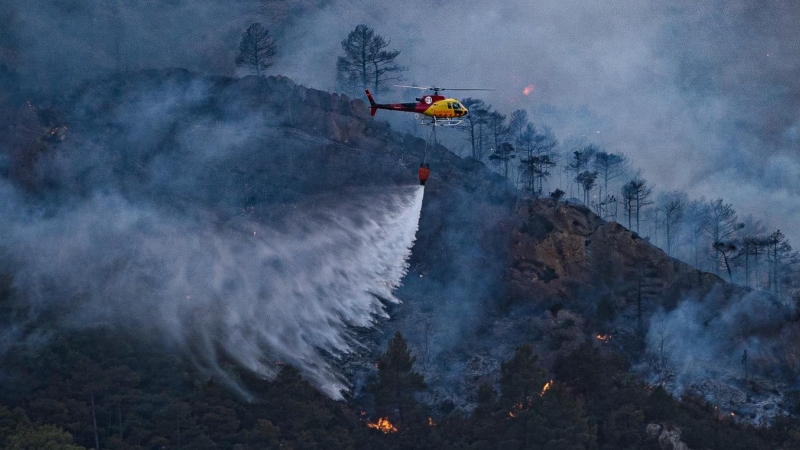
397,381
367,60
521,377
502,155
256,50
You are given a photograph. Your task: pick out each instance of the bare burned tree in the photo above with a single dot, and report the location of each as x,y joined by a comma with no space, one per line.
659,355
722,223
474,124
752,246
587,181
539,156
635,195
696,215
608,167
502,155
256,50
781,258
516,125
496,123
726,250
580,160
673,205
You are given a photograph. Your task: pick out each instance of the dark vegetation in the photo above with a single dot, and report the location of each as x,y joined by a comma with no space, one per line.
101,389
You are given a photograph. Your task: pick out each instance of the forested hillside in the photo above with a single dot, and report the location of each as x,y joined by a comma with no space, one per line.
524,323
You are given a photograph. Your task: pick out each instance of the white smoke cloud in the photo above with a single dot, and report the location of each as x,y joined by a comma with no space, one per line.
253,292
700,347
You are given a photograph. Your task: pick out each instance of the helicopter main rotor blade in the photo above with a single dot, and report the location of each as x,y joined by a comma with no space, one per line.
434,88
414,87
465,89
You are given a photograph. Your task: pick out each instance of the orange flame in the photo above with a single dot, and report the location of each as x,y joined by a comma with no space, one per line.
546,387
516,407
528,89
383,425
431,423
603,337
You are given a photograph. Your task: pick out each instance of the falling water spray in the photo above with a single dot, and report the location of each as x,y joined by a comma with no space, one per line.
287,290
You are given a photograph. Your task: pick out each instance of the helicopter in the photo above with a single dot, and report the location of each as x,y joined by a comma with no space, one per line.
442,110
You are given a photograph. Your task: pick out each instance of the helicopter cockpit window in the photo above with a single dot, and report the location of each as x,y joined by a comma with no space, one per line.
449,106
457,105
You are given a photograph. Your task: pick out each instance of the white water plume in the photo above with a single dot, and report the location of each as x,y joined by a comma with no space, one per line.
259,294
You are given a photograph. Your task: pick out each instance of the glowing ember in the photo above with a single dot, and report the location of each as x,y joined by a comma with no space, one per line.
516,407
431,423
546,387
528,89
383,425
603,337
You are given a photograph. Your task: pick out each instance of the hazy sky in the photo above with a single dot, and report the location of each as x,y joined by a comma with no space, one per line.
702,95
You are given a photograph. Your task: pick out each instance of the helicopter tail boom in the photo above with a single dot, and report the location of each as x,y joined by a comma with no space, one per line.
372,104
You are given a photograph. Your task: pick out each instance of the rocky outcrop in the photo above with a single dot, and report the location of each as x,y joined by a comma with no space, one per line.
564,254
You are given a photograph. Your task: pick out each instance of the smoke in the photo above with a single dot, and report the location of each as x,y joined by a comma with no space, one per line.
702,97
57,44
179,206
256,293
709,345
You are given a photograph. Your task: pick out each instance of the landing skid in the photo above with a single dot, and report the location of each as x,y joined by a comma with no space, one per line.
424,120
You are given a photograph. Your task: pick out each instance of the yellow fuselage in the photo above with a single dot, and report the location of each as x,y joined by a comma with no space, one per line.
448,108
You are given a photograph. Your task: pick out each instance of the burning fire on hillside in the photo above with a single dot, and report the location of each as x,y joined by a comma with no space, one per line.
603,337
516,408
383,425
524,405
